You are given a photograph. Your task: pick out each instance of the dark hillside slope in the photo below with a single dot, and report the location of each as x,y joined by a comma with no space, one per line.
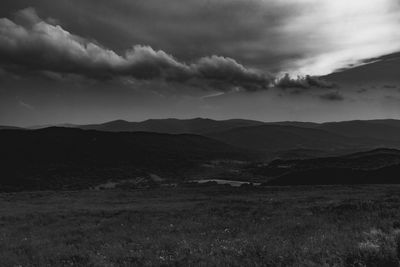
362,161
373,159
321,176
380,166
384,131
274,138
381,131
56,158
332,176
2,127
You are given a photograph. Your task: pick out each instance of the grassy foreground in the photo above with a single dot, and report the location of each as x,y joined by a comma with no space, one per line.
210,226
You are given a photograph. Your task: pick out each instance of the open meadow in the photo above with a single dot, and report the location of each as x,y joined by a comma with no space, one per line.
203,226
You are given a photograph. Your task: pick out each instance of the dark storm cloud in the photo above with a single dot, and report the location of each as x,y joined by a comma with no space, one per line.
306,82
30,43
295,36
332,96
245,30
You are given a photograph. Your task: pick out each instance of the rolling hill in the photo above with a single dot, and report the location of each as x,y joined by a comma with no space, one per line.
373,159
384,130
339,176
380,129
73,158
388,130
287,139
276,138
378,166
2,127
59,158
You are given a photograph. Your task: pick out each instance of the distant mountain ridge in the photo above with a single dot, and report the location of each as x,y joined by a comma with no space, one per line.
205,126
3,127
171,126
301,138
347,136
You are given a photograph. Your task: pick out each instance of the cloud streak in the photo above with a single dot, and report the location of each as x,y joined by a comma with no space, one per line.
31,44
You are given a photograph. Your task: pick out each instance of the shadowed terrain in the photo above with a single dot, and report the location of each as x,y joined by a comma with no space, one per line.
380,166
284,153
66,158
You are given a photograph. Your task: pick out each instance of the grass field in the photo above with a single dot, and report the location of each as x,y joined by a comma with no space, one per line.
205,226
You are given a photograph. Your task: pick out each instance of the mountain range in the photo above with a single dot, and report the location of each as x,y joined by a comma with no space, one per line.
170,126
272,137
81,156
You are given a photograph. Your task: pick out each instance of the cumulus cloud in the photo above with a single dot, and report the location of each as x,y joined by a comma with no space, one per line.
30,43
313,37
302,82
217,68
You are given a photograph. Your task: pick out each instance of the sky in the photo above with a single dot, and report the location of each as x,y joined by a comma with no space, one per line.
90,61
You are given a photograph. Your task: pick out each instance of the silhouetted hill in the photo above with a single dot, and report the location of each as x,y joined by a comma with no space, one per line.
301,124
376,154
172,126
56,158
276,137
2,127
302,138
386,131
380,130
287,139
320,176
371,167
332,176
373,159
61,125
